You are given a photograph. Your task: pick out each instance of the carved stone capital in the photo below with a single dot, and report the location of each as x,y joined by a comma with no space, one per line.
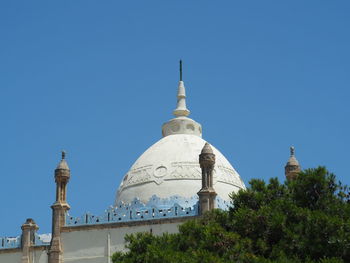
60,206
206,159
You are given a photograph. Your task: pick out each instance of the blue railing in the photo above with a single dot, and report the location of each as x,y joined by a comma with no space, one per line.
155,208
16,242
42,240
10,242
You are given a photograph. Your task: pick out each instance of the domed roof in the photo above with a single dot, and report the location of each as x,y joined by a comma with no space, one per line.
62,165
292,161
171,167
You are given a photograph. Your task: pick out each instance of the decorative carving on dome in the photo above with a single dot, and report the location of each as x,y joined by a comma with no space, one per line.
185,170
229,176
160,171
138,176
190,127
175,127
181,125
171,167
178,171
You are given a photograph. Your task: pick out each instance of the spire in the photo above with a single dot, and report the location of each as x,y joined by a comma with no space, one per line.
181,109
292,160
207,149
292,167
59,210
63,163
292,151
180,70
207,194
181,124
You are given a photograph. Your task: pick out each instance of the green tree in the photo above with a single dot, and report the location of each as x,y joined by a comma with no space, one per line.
304,220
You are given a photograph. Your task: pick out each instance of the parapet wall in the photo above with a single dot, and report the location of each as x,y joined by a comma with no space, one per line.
16,242
94,239
155,208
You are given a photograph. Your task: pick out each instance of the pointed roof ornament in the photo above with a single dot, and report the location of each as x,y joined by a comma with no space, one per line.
292,160
181,109
180,70
63,164
292,151
206,148
181,124
292,167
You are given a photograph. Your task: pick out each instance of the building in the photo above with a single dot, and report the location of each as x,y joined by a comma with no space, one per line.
179,177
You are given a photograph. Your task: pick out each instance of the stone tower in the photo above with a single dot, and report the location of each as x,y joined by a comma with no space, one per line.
207,194
59,210
29,229
292,167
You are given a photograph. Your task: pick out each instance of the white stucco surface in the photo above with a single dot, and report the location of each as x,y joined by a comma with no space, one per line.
171,167
97,245
38,256
14,257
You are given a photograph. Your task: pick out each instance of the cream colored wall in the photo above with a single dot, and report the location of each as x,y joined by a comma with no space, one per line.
97,245
14,257
40,256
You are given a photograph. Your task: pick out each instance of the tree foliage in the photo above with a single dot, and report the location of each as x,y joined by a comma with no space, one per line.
304,220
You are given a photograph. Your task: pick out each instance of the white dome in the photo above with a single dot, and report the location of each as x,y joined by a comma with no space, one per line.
171,167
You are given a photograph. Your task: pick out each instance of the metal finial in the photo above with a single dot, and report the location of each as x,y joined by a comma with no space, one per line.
292,151
180,70
63,152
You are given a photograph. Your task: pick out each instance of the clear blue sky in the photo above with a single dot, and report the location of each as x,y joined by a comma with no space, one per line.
99,78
